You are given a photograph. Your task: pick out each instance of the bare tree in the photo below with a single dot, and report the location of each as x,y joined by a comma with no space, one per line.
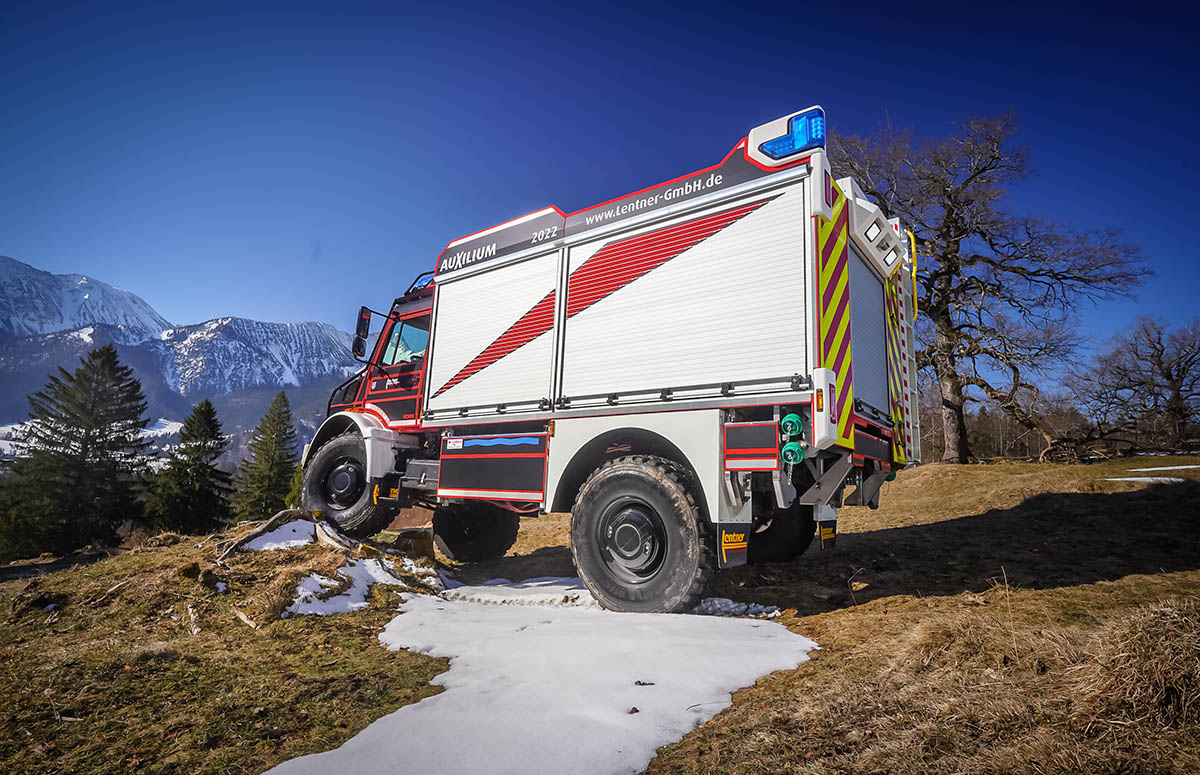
1149,376
997,291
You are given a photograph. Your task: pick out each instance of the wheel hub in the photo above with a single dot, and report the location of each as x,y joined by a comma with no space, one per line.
344,483
633,541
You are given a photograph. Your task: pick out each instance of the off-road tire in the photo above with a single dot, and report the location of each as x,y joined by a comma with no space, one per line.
474,531
650,495
359,518
788,535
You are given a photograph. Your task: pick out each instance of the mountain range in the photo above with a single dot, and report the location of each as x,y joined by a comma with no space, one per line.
50,320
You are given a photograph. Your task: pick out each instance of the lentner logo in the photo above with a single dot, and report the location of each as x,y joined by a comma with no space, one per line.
466,257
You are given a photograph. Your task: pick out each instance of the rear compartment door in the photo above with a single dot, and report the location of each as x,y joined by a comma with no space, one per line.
868,329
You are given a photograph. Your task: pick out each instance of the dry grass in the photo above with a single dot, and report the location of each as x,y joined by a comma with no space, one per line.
1087,660
1015,618
113,680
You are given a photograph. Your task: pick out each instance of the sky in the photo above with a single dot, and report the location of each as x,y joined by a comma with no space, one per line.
291,161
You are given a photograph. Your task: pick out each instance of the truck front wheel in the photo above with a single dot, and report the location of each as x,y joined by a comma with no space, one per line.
474,531
335,481
638,537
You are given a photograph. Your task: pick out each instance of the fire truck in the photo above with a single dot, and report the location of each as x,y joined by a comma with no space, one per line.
701,372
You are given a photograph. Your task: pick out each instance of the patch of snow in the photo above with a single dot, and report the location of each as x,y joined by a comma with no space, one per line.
545,591
162,427
1150,479
552,689
287,536
431,576
1163,468
361,574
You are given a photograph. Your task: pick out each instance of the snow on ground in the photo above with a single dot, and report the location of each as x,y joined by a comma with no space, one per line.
544,591
550,687
361,574
1162,468
1150,479
291,534
161,428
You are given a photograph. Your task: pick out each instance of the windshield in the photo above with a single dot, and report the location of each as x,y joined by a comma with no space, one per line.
408,341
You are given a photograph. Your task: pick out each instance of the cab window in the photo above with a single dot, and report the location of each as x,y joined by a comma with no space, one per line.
407,342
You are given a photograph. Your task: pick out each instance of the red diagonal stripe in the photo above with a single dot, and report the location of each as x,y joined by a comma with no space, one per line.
836,322
839,225
613,266
620,263
831,286
528,327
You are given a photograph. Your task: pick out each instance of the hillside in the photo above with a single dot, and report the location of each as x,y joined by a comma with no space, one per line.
1008,617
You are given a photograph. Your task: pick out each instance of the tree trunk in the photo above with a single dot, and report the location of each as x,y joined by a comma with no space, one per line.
1176,414
954,424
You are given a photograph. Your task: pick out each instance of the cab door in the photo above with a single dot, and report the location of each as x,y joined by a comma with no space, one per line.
393,387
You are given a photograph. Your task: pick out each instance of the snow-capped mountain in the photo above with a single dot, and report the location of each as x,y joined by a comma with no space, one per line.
33,301
49,321
229,354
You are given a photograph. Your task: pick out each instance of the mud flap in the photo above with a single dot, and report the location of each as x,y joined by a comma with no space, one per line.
732,542
826,517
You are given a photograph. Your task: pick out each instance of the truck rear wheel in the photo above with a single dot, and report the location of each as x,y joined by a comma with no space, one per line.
474,531
335,481
788,534
638,539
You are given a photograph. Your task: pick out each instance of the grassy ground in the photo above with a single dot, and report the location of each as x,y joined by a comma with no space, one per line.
116,681
991,618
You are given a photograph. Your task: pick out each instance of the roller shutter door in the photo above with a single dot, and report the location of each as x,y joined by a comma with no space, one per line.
868,332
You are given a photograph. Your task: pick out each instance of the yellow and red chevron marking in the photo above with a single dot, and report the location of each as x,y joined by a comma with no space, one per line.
833,310
898,371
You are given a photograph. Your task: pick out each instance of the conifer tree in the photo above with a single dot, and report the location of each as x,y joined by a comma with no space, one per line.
191,495
293,496
264,478
83,462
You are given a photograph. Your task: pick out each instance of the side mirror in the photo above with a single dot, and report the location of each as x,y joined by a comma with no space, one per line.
359,348
363,328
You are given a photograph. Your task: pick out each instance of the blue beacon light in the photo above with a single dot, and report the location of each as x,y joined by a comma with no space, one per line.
805,131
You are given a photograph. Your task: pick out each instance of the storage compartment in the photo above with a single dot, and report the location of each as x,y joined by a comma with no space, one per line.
868,330
493,340
688,304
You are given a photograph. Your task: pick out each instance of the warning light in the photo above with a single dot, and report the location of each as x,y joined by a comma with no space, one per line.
805,131
820,396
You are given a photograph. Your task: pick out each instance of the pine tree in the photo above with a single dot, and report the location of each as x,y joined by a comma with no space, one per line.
83,463
293,496
191,495
263,479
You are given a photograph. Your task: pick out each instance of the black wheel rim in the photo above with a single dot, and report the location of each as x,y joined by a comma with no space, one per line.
344,482
632,540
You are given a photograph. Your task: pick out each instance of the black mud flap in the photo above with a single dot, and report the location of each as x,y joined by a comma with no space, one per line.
732,542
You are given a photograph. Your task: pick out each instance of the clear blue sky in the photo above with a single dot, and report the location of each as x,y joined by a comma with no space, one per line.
290,161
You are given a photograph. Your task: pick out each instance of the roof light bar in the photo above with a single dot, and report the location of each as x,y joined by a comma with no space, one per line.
805,130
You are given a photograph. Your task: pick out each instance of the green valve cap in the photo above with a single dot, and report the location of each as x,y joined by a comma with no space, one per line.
792,425
792,452
890,477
